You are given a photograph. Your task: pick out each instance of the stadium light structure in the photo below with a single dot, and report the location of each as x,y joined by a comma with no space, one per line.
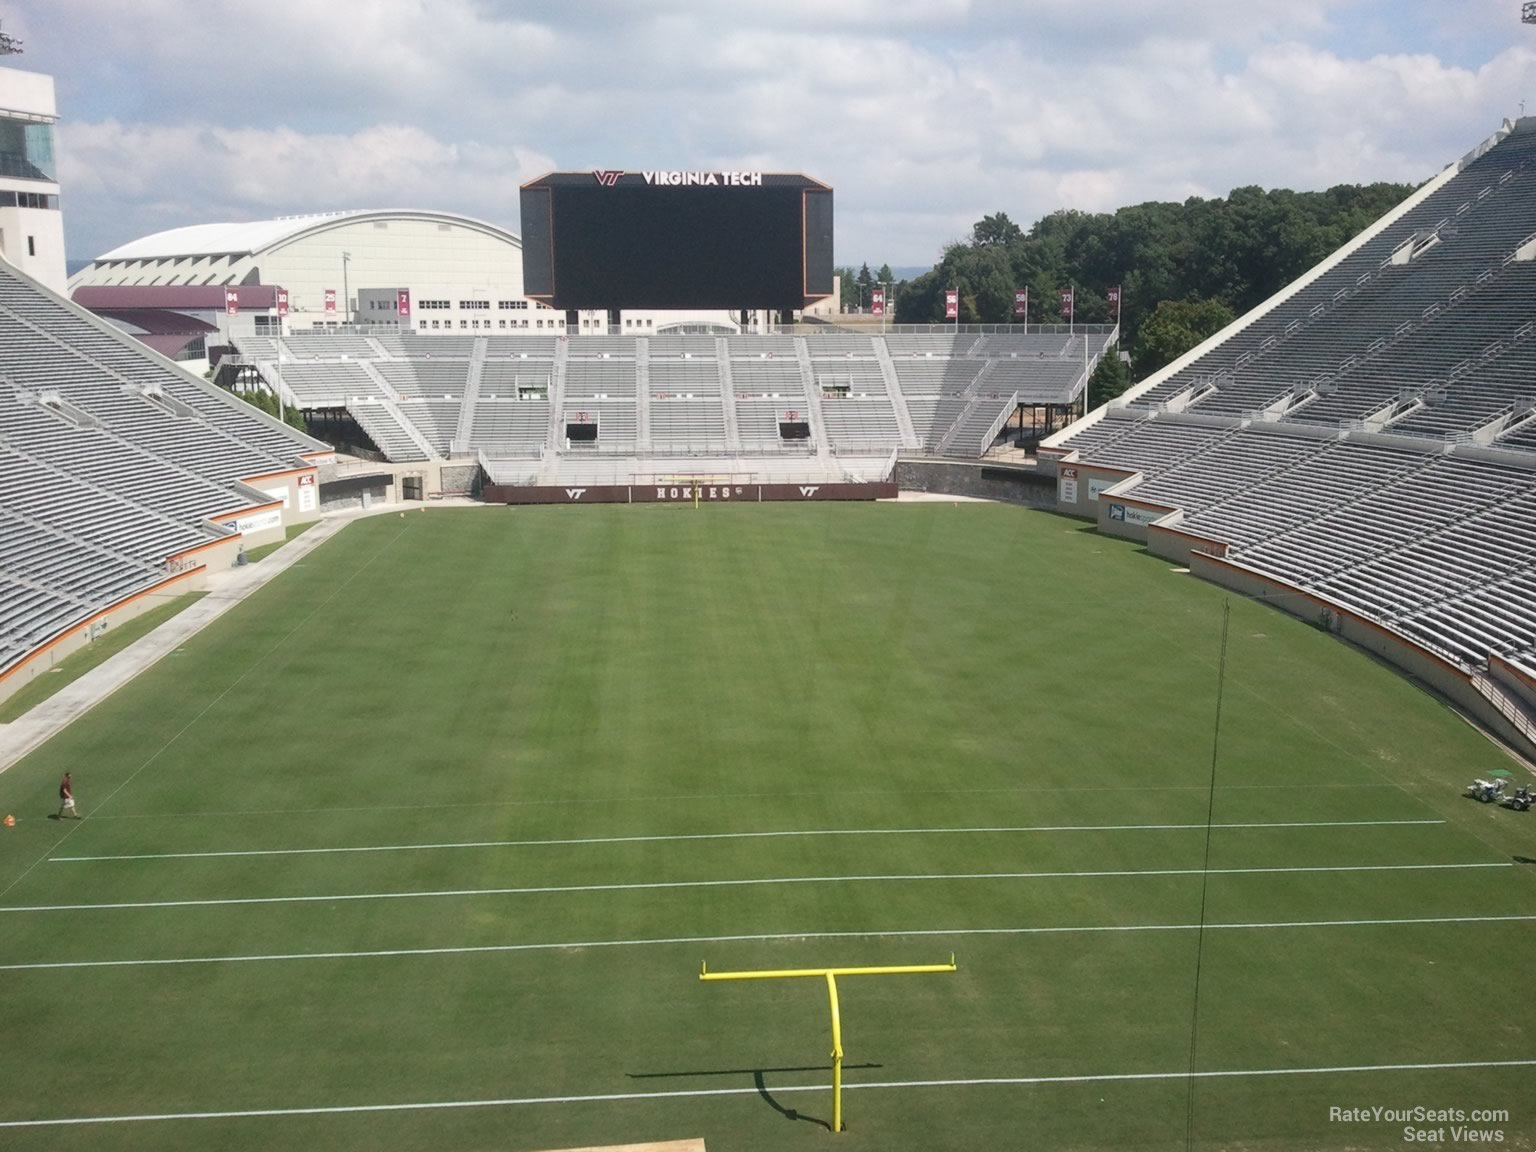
346,292
831,975
9,45
1528,12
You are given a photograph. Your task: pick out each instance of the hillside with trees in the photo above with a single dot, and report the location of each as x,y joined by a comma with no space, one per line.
1185,270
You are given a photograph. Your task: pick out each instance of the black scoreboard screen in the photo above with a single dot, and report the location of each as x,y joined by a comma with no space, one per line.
676,240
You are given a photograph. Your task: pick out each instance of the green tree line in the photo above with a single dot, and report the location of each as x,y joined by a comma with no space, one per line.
267,402
857,286
1184,270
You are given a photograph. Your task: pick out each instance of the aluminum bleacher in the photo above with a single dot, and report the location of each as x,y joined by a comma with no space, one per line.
956,386
1369,436
1410,327
113,462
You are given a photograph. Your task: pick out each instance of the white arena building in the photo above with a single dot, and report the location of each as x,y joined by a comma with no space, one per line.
427,271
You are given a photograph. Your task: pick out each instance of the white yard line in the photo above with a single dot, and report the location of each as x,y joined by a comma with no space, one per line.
661,885
762,938
594,840
778,1090
766,881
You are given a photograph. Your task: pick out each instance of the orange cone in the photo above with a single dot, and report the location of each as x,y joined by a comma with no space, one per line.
10,821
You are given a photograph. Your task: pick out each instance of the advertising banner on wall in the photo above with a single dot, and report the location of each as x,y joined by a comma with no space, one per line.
403,305
282,301
259,522
683,492
307,492
1067,486
231,302
1130,514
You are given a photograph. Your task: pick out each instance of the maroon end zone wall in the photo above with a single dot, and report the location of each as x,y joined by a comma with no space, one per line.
683,493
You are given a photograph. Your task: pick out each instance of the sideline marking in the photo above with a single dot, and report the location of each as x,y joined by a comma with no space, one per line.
738,836
688,1093
654,885
760,938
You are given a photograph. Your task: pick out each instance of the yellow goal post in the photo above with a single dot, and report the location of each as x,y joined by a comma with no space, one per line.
830,975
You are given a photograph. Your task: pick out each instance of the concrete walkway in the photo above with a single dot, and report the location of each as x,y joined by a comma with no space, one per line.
225,590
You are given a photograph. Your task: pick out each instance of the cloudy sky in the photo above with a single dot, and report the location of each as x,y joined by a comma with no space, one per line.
923,114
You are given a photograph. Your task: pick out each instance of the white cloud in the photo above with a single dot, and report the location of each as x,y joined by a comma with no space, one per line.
166,175
924,114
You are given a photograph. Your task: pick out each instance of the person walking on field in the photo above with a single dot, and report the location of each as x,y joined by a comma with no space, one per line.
67,798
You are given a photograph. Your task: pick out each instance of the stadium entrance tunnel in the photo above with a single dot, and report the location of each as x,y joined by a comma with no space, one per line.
581,433
794,430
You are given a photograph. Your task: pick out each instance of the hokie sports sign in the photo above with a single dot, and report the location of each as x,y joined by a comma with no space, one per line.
683,493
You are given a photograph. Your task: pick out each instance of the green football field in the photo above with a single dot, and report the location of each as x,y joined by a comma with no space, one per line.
422,847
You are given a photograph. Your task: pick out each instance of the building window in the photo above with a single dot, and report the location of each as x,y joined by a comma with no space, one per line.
421,323
474,305
511,305
26,150
541,323
463,323
434,323
26,199
502,324
31,245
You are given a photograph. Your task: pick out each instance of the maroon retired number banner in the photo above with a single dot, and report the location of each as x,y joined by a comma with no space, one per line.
683,493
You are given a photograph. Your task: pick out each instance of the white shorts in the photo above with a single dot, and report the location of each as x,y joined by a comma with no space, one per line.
69,802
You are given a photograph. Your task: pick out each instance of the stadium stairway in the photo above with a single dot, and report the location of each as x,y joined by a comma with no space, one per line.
471,397
1514,710
728,396
642,395
909,436
813,401
391,404
557,400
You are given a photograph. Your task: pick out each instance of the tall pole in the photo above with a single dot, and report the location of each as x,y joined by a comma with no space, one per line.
1085,374
281,415
346,292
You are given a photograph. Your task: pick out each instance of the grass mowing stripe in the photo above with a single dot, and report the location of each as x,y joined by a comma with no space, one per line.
187,727
590,840
652,885
758,938
711,798
693,1093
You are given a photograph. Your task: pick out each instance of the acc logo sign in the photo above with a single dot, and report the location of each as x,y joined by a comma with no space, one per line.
575,493
605,177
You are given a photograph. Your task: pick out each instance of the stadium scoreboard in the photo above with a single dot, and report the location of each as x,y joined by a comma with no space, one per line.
676,240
